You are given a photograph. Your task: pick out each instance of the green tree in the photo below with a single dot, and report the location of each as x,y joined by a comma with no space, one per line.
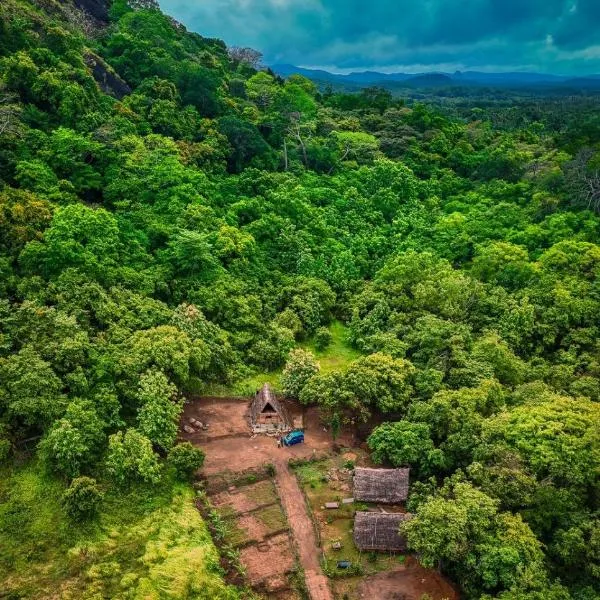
193,254
165,348
404,444
508,368
488,551
322,338
456,419
299,368
130,457
23,218
448,525
311,300
556,437
78,237
158,415
381,381
505,264
186,459
30,391
73,442
245,141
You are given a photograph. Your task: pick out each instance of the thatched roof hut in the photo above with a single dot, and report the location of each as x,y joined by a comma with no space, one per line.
267,414
385,486
379,531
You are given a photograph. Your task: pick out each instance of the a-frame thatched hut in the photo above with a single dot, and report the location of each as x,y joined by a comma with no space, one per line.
379,531
267,414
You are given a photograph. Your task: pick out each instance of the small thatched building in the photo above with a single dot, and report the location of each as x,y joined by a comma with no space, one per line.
385,486
267,414
379,531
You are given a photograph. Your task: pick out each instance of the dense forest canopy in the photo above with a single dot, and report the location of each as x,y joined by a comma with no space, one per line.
171,217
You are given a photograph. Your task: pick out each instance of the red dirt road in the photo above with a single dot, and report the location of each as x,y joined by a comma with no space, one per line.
294,506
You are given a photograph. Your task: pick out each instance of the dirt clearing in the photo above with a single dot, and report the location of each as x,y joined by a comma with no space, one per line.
408,582
269,521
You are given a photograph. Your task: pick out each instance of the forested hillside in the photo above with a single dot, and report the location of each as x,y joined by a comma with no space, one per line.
172,218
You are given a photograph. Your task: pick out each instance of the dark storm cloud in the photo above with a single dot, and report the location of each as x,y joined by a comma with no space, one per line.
547,35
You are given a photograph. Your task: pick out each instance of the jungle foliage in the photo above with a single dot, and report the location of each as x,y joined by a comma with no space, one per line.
171,217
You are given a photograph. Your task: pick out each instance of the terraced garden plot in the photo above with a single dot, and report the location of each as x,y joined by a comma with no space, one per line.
272,518
267,560
246,498
256,525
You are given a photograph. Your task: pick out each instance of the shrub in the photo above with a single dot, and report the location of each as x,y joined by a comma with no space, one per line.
82,498
130,456
186,459
5,448
323,338
5,445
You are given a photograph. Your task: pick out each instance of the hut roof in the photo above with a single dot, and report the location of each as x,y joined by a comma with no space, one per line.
266,401
388,486
379,531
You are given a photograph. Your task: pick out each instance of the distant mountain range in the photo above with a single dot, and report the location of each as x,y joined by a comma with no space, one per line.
437,79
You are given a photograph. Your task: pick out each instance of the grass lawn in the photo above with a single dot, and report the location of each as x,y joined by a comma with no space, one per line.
338,355
147,542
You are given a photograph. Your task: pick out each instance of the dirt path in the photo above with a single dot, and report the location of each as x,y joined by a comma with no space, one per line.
303,532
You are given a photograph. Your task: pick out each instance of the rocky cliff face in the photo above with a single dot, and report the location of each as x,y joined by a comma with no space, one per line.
107,79
96,8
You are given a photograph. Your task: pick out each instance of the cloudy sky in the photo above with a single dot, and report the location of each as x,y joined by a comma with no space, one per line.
552,36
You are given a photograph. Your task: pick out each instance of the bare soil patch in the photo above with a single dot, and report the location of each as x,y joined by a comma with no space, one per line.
225,418
268,560
255,529
408,582
285,595
229,444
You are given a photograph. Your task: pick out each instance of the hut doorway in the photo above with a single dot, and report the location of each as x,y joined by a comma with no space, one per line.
267,413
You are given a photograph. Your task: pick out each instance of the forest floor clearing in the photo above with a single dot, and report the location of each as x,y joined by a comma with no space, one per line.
230,446
253,505
337,356
405,582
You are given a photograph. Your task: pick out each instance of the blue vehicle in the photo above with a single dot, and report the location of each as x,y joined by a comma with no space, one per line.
292,438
